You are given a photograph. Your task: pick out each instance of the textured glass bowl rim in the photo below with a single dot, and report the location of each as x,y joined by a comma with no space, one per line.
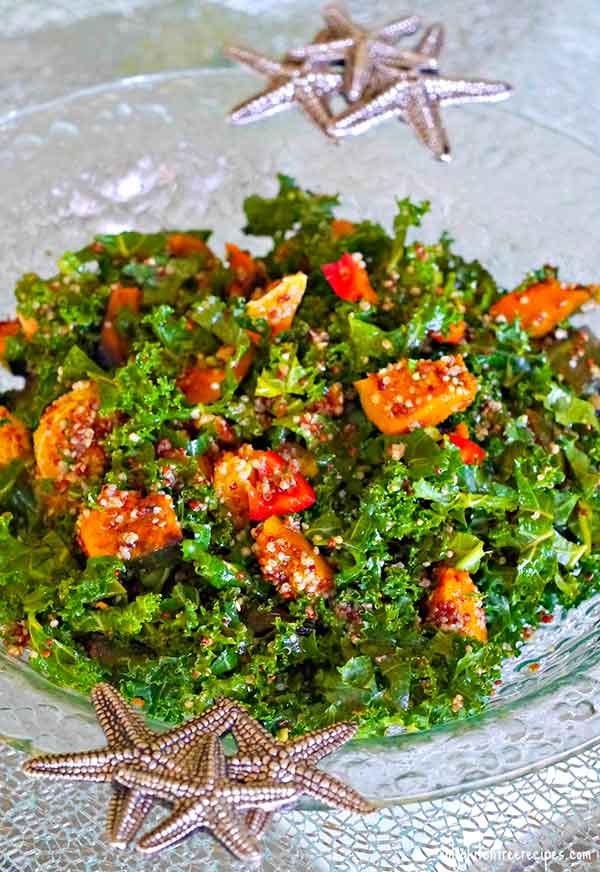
491,713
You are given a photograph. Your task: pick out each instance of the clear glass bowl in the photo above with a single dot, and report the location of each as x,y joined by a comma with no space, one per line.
156,151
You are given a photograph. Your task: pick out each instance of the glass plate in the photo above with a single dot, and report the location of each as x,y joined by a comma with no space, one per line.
156,151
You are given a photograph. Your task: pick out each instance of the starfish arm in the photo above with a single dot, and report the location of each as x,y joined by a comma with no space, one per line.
323,52
407,59
258,63
318,83
242,767
216,720
127,811
423,116
357,69
267,103
185,819
329,790
120,724
221,821
265,795
455,91
317,110
257,821
338,22
432,42
85,766
320,743
250,736
401,27
387,103
159,785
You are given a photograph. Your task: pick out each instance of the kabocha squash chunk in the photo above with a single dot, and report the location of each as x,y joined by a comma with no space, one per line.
291,562
247,272
543,305
114,345
67,442
455,604
278,306
407,395
7,328
202,384
14,438
454,335
127,524
186,245
340,227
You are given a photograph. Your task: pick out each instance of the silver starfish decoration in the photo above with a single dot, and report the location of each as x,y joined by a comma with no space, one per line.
187,766
416,95
261,758
304,84
207,800
130,741
416,98
362,51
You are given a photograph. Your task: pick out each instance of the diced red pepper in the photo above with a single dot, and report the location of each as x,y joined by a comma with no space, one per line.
257,484
277,490
471,453
349,279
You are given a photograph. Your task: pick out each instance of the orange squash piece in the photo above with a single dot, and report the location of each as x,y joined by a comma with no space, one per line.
403,397
291,562
127,524
247,271
454,334
67,442
455,604
7,328
340,228
114,345
14,438
29,326
202,384
231,481
280,303
543,305
185,245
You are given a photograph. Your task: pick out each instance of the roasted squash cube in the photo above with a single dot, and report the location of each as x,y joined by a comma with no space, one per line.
127,524
419,393
279,304
291,562
14,438
543,305
68,440
455,604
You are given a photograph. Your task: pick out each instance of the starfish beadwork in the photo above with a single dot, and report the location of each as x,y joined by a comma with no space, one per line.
130,741
304,84
362,51
206,800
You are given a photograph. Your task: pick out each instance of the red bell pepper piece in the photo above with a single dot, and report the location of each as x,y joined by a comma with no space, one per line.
471,453
349,279
254,485
275,489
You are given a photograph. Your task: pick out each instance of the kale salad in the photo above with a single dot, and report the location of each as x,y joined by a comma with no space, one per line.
344,479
